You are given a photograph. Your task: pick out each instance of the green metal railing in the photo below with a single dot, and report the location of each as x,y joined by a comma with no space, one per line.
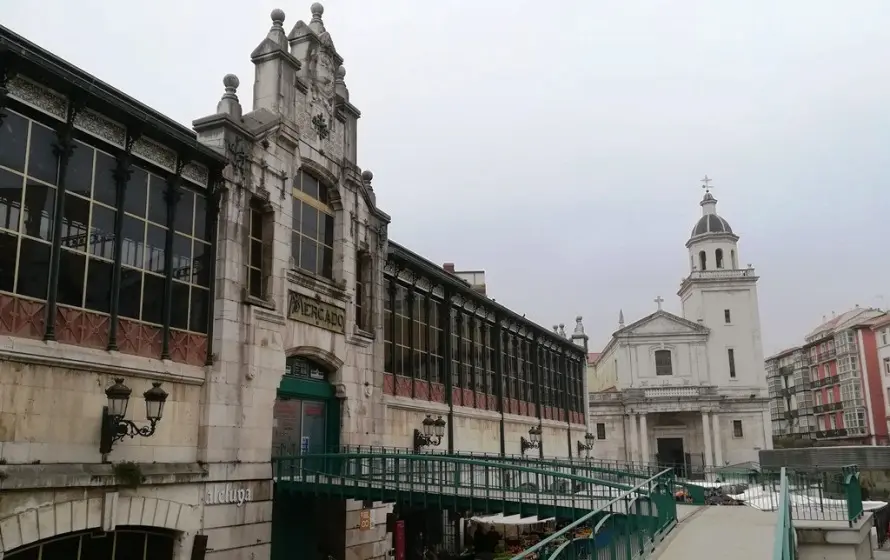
627,527
785,545
449,481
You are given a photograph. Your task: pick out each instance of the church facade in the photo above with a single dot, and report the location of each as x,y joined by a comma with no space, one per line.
688,390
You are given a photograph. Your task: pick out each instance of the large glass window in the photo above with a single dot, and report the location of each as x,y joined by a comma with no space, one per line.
123,544
436,345
401,358
388,365
312,238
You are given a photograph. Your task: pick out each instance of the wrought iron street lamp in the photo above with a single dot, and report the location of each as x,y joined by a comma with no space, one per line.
533,441
115,427
433,431
587,446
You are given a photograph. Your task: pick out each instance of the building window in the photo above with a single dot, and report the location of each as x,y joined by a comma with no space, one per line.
730,354
600,430
312,238
719,258
363,297
737,429
885,335
818,398
703,260
727,316
887,366
257,269
296,366
663,364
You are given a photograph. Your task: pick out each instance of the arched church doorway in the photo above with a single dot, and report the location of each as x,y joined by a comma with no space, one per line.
130,543
306,416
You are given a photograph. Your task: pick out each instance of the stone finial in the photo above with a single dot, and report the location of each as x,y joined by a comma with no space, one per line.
562,330
229,103
316,24
579,327
367,177
556,329
277,16
621,318
340,82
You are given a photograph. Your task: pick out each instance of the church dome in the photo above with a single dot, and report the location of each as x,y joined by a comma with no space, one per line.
710,222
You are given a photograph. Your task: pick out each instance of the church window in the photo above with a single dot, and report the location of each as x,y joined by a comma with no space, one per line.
663,365
703,260
737,431
312,235
600,430
727,316
730,353
363,291
718,261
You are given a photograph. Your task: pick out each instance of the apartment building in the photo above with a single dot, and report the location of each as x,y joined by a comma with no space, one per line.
833,388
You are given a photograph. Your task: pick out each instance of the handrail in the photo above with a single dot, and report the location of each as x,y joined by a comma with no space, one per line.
583,519
784,545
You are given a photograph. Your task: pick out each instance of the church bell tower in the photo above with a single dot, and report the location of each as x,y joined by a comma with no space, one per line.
722,295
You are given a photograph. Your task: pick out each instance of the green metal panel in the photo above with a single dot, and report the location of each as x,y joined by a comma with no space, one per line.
310,389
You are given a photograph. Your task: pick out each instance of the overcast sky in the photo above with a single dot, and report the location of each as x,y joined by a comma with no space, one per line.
559,145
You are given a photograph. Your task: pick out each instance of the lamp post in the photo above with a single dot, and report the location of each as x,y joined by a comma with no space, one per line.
533,441
115,427
433,431
587,446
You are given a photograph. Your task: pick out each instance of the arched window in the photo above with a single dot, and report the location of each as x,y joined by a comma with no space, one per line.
702,261
132,543
719,258
312,238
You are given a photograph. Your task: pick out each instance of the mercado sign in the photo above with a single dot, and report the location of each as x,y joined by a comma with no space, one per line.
316,312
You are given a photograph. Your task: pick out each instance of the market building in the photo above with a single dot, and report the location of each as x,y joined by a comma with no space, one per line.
108,216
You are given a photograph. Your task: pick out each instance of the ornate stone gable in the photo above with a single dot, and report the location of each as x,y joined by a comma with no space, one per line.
662,323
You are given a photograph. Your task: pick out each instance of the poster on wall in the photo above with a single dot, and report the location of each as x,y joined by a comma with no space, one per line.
304,444
399,540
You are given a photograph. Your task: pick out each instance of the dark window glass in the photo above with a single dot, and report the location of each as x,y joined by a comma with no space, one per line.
133,244
310,222
32,553
129,546
14,139
185,211
12,187
295,248
33,274
97,546
201,218
255,281
98,287
156,238
62,548
159,547
157,206
199,305
310,185
79,176
180,306
308,254
72,267
131,293
42,161
39,202
182,257
201,264
104,186
75,217
152,298
137,192
327,262
9,250
328,229
102,232
297,214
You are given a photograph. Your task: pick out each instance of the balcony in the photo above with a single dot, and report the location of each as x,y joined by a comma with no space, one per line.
825,434
722,274
830,407
672,393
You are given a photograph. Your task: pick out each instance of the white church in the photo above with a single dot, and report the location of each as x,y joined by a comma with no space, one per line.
688,391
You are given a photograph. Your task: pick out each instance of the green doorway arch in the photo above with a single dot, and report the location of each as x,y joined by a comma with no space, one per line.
306,415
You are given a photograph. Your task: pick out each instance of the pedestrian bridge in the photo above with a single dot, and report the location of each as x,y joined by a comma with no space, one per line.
634,506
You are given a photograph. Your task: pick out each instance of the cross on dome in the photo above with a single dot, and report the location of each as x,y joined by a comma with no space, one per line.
706,184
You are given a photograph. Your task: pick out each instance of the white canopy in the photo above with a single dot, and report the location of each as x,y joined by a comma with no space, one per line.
500,519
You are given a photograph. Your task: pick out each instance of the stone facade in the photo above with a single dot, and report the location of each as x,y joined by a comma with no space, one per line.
688,390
